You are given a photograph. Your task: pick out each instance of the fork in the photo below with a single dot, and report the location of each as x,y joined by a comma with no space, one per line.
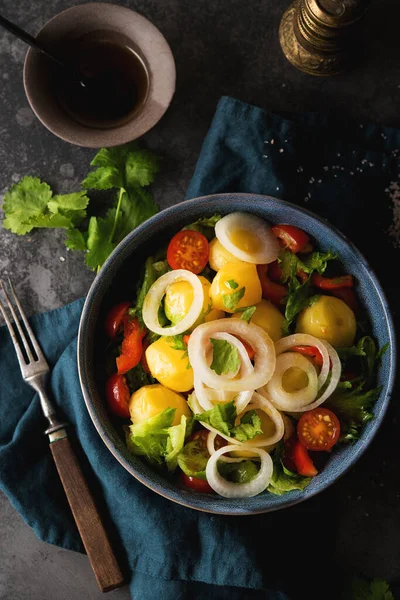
35,372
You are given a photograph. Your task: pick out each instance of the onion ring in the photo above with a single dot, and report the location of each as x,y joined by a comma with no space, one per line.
155,295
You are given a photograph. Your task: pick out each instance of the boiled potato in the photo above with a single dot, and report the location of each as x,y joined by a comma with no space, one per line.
268,317
219,256
151,400
230,279
329,319
178,300
169,366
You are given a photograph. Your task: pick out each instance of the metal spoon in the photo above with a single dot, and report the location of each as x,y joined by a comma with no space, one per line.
37,45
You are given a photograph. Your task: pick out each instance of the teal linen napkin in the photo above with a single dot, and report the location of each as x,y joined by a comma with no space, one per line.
166,549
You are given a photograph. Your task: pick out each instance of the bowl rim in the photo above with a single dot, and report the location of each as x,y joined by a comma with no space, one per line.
358,449
92,137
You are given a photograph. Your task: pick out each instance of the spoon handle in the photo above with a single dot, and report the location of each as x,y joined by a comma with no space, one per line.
26,37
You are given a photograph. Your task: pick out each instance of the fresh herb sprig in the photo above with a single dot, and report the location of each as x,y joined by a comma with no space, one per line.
128,170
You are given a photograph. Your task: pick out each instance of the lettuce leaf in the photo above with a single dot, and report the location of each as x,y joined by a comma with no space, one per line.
193,459
283,480
205,225
157,439
152,270
223,416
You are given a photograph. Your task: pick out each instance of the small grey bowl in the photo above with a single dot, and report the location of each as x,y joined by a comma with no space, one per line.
117,281
145,39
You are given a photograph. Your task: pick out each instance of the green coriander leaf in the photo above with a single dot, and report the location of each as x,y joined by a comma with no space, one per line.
318,261
98,244
205,225
225,357
104,178
57,221
136,207
113,157
141,168
230,301
137,378
176,342
23,203
222,417
247,313
75,240
376,589
68,202
231,284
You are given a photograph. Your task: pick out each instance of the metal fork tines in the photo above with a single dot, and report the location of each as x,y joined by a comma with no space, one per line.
32,362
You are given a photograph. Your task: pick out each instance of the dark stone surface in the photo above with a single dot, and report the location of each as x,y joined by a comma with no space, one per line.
220,47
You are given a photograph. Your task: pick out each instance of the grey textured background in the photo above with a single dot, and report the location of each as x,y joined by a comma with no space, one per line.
220,47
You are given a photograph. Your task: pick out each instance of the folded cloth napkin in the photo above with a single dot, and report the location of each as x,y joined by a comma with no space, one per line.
344,172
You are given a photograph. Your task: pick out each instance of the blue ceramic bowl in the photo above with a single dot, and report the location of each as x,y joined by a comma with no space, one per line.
117,281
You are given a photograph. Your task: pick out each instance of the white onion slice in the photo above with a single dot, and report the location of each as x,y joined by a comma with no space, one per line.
260,402
199,348
228,489
293,401
209,397
305,339
254,226
335,378
155,295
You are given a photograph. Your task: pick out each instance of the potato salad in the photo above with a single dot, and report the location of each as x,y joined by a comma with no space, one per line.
243,360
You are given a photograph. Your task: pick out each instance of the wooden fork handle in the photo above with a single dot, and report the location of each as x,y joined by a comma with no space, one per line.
91,529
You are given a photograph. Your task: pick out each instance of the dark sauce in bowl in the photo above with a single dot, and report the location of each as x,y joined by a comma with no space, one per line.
116,81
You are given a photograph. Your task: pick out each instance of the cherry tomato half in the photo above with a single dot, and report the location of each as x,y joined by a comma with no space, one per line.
199,485
274,292
318,429
311,351
188,250
293,238
335,283
114,318
118,395
132,347
297,459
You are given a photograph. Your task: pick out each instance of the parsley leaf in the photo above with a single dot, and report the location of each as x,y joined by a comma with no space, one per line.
76,240
230,301
141,168
98,241
231,284
225,357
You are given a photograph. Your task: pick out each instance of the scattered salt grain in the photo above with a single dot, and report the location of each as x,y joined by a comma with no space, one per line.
361,126
383,136
338,154
266,142
62,258
367,514
381,485
326,168
265,155
358,497
371,164
272,141
319,180
335,175
351,172
281,150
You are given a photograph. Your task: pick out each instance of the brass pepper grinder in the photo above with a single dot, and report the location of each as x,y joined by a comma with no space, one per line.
319,37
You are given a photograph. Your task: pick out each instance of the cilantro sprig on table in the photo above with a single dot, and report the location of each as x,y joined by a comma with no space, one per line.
127,170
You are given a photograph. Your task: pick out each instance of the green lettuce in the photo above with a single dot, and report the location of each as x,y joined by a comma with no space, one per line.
205,225
241,472
222,417
157,439
283,480
153,269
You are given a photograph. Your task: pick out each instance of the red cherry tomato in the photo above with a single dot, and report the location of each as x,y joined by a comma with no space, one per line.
274,292
311,351
348,296
118,395
293,238
335,283
186,338
114,318
132,347
275,271
188,250
297,459
318,429
199,485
